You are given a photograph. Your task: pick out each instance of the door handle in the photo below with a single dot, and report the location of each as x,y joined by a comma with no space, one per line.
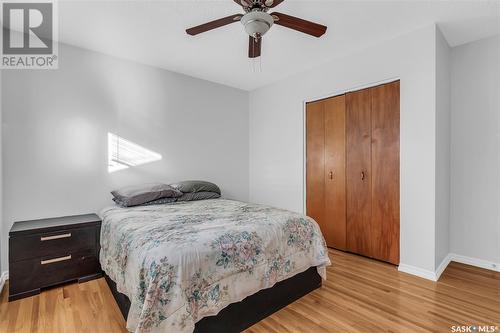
362,175
331,174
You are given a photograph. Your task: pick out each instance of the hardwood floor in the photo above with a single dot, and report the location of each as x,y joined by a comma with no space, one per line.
360,295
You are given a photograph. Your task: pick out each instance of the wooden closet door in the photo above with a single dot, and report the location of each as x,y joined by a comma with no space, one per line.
385,172
335,195
358,107
315,162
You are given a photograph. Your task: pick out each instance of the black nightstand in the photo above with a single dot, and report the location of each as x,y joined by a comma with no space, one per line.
43,253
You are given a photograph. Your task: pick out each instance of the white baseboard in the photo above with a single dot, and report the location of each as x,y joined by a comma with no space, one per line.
486,264
417,271
442,266
4,277
434,276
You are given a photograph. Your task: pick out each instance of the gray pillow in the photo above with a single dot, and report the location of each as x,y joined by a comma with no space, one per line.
193,186
154,202
140,194
198,196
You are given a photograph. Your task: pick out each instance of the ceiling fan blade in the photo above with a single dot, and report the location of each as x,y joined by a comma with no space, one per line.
213,24
254,47
244,3
295,23
272,3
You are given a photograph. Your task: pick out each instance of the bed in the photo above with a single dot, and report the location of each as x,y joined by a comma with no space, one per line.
209,264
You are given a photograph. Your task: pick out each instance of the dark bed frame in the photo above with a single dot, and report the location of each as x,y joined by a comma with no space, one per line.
239,316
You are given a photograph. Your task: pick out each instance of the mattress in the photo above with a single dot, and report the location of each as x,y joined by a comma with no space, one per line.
181,262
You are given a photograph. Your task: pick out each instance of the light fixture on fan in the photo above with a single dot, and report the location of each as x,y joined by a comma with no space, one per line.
257,23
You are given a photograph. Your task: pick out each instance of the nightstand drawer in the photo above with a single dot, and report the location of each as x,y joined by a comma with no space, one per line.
56,243
43,253
43,272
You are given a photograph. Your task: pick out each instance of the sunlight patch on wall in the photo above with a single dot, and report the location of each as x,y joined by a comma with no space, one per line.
123,154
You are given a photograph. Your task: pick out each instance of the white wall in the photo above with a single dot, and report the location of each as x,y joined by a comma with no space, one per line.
475,150
277,145
1,182
55,126
443,137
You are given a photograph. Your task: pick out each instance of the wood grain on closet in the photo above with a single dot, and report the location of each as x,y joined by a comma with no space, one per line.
385,172
315,162
335,150
353,170
358,141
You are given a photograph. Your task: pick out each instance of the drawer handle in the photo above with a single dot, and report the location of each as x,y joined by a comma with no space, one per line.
51,261
47,238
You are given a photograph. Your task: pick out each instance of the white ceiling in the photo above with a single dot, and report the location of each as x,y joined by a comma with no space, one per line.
152,32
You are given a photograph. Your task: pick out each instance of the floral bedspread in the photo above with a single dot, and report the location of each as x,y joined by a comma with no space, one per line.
181,262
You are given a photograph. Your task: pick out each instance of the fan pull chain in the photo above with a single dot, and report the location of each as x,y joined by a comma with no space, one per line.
256,64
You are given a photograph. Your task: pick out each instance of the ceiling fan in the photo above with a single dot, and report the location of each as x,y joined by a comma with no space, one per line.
257,21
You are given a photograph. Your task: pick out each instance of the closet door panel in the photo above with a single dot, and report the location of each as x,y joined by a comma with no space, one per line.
385,172
358,107
315,162
335,186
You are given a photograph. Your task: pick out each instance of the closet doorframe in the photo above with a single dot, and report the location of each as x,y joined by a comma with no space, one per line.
314,98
